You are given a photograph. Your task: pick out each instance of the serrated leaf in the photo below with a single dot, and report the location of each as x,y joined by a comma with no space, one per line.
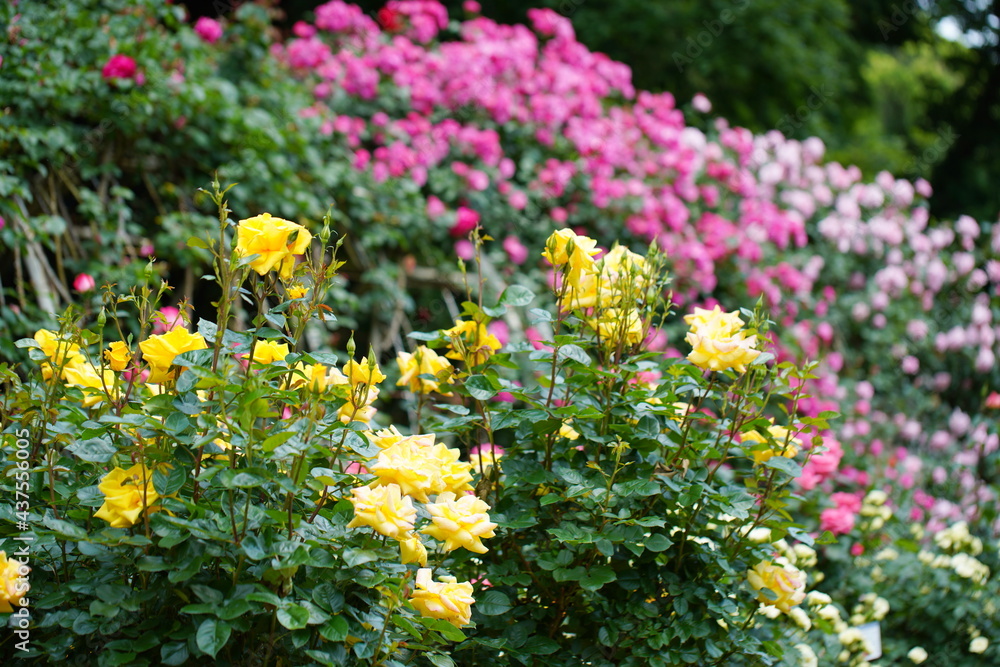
168,481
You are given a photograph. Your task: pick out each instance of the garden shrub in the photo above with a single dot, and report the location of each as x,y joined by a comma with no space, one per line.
417,128
214,493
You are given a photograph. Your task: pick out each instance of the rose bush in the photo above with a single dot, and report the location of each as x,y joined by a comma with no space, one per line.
259,507
418,127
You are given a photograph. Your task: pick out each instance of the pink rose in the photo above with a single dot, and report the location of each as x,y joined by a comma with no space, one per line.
119,67
84,282
516,250
465,250
465,221
208,29
838,520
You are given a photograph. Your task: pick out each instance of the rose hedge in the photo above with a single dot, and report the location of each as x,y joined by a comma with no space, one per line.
416,126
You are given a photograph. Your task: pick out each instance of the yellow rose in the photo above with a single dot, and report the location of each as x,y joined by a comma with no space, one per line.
297,292
717,341
461,522
566,247
786,582
58,350
567,431
314,377
117,355
421,468
266,352
127,493
84,375
412,550
13,583
385,509
275,240
385,437
456,475
362,413
720,354
406,464
616,325
485,456
160,351
391,435
618,276
714,319
316,373
423,361
364,372
787,445
446,599
470,338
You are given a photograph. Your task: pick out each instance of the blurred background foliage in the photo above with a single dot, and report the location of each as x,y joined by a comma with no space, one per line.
875,79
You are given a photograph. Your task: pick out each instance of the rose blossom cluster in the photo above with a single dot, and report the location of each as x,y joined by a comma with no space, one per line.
738,215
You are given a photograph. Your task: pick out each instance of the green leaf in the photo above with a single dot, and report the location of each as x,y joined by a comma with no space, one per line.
167,481
480,387
493,603
785,465
540,646
94,450
174,653
446,629
235,609
241,479
64,528
440,660
658,542
516,296
355,557
575,353
272,442
255,548
212,636
195,242
335,630
207,594
293,616
597,577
